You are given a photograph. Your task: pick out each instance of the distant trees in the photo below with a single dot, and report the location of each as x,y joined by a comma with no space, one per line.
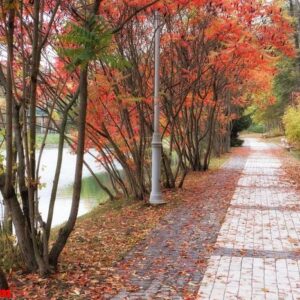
286,83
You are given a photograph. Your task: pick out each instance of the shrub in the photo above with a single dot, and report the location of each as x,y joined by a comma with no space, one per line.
10,256
236,142
291,121
239,125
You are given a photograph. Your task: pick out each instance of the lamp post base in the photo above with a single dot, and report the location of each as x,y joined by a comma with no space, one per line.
156,199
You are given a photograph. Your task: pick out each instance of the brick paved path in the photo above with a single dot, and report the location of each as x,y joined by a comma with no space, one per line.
171,261
257,254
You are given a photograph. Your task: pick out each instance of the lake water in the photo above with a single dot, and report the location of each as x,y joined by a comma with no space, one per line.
91,194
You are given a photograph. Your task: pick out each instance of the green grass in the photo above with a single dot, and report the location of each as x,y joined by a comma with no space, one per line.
256,128
217,162
52,140
295,154
247,134
90,188
275,140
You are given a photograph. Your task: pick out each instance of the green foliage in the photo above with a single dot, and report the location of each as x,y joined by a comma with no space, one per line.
236,142
87,43
285,82
291,121
257,128
295,153
2,134
52,139
239,125
10,256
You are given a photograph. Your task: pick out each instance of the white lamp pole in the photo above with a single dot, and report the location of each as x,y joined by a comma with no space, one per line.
155,196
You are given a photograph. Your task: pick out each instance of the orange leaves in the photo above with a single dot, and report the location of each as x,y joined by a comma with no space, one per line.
209,49
239,101
223,30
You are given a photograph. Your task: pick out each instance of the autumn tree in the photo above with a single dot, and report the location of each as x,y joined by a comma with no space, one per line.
210,66
31,30
91,63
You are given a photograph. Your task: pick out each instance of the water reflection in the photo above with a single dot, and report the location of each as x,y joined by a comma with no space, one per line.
91,194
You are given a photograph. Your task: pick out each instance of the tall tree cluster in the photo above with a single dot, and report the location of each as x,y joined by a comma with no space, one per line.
286,81
91,64
215,58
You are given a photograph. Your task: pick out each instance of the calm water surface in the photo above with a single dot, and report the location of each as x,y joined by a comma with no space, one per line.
91,194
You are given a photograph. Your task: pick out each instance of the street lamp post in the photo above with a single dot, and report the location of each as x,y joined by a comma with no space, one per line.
156,196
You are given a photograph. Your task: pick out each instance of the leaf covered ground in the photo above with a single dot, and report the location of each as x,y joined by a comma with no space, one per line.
107,246
291,166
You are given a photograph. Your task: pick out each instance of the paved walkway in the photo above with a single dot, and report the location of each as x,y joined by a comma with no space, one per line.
170,263
237,236
257,253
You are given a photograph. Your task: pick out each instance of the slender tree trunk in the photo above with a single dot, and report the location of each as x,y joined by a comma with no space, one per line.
65,232
9,106
21,227
67,229
58,164
7,191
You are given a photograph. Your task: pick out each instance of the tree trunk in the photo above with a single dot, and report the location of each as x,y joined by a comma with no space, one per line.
65,232
3,281
7,222
58,164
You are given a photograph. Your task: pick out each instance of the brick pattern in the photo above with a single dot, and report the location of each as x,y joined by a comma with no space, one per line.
257,252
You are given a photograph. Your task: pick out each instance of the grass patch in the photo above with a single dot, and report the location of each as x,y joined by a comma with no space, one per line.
256,128
275,140
52,139
246,134
217,162
295,153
